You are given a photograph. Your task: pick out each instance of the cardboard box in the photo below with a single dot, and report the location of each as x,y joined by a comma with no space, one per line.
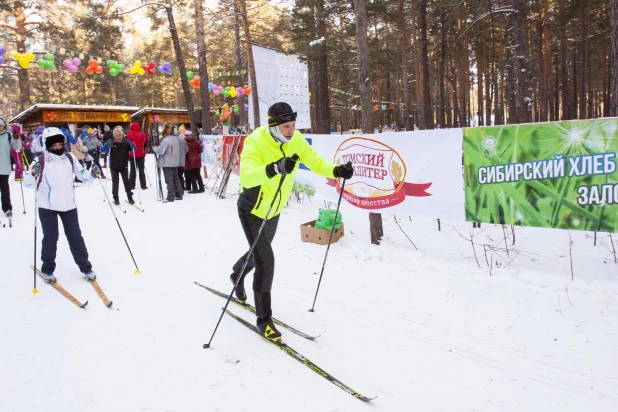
309,233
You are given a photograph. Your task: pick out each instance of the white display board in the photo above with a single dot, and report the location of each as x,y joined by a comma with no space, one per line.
409,173
280,78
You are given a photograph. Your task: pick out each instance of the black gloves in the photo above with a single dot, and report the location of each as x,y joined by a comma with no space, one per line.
283,166
345,171
35,169
95,171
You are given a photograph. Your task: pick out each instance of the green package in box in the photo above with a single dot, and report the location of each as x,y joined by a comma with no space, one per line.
326,218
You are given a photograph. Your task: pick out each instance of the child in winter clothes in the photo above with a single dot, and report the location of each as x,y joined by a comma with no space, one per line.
7,144
119,149
51,175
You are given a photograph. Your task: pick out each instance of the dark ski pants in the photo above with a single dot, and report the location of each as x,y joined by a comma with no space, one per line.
262,259
124,172
133,175
194,179
70,221
5,193
174,188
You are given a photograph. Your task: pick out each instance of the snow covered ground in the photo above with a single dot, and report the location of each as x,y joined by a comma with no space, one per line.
424,330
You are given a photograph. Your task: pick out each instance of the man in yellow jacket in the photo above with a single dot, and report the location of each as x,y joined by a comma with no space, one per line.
266,158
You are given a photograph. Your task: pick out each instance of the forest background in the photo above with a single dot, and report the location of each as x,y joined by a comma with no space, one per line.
415,63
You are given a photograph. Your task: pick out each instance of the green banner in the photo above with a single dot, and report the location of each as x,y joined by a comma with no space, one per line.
558,175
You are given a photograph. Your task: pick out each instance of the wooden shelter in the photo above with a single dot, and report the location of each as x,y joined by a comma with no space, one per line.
55,115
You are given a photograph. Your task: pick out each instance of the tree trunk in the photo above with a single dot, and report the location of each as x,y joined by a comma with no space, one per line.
563,65
202,67
321,98
583,111
427,105
480,67
240,100
251,63
376,228
364,81
407,109
22,74
613,6
520,62
441,70
181,68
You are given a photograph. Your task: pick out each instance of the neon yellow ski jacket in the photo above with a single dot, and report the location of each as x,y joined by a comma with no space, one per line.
259,150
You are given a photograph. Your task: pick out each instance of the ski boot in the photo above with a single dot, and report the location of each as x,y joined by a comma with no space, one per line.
268,330
49,277
239,290
90,275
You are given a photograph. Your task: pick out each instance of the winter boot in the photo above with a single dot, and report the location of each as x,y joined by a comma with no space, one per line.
268,330
116,201
131,201
90,275
239,290
9,213
49,277
264,312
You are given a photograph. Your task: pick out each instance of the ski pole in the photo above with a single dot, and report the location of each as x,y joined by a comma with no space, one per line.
147,175
244,266
139,188
21,185
137,271
328,247
36,188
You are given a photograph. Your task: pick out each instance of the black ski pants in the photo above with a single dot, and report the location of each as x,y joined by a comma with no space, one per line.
133,175
194,180
262,259
5,193
124,172
70,221
181,177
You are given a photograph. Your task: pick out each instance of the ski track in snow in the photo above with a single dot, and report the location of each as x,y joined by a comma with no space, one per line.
423,330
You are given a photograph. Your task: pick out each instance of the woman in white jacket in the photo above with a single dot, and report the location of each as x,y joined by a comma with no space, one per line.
51,175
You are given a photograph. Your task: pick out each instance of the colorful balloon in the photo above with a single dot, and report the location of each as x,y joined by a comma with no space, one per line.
137,68
2,51
149,68
165,68
24,60
190,75
72,65
94,67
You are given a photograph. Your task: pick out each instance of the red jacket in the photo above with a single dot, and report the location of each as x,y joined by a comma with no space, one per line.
194,155
139,139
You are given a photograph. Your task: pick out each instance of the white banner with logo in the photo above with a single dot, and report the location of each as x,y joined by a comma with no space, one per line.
407,173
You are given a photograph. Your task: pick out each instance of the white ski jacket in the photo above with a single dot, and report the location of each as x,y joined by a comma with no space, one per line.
56,190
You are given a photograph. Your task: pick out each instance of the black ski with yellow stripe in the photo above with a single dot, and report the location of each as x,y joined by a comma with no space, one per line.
251,309
294,354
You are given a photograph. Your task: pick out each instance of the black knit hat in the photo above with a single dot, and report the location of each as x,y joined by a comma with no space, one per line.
280,113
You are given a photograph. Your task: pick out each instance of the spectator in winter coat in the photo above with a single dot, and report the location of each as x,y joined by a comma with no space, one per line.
17,155
51,176
107,136
119,149
182,153
7,143
94,149
169,160
77,146
139,139
193,163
